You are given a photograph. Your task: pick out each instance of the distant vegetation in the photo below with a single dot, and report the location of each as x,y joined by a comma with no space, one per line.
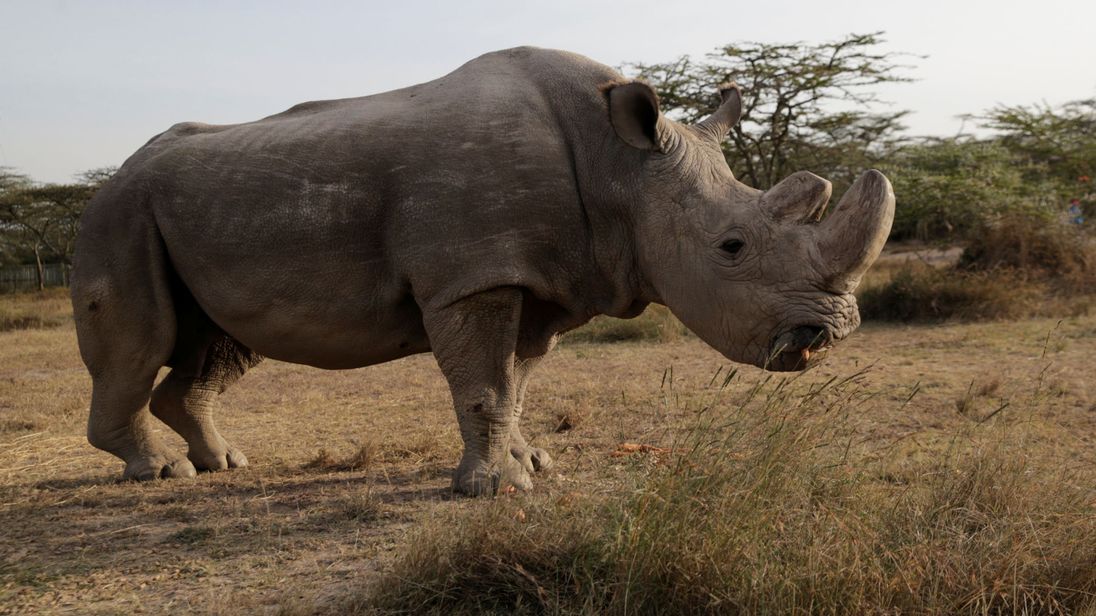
39,222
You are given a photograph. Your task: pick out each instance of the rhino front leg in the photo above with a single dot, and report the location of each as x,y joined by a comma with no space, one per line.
474,341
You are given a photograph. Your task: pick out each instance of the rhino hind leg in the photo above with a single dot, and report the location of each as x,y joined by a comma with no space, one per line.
533,459
121,424
205,362
125,322
185,402
474,342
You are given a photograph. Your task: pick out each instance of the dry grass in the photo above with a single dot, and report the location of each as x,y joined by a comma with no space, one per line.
38,310
947,504
656,324
775,506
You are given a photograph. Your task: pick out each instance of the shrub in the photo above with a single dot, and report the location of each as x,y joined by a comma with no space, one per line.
1048,248
947,187
929,294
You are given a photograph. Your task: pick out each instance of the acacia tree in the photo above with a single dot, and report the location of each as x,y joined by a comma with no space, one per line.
1056,145
44,219
792,99
12,236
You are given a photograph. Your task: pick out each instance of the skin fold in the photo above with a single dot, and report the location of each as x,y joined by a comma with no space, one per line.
477,216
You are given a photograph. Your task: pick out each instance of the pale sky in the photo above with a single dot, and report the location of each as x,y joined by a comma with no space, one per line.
85,83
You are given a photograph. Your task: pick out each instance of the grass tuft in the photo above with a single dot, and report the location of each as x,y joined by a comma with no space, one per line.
362,459
359,506
192,535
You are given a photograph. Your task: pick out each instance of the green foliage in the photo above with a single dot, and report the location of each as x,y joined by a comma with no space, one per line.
1058,144
813,106
39,222
791,98
1040,158
946,188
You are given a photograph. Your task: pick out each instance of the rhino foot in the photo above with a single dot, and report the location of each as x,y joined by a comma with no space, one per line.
532,459
158,466
475,480
217,460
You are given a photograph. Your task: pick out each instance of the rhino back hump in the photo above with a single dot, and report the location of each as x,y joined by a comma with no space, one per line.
336,211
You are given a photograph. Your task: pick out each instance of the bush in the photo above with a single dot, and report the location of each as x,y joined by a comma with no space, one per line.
929,294
947,188
1019,264
1050,249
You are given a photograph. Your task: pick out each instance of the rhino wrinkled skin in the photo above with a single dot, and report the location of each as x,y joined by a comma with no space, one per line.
476,216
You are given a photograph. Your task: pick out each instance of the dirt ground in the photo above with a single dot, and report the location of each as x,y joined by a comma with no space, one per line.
344,464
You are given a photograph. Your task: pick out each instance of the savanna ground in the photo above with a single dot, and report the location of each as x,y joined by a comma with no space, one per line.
946,468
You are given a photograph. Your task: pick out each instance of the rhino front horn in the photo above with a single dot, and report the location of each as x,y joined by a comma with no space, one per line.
853,234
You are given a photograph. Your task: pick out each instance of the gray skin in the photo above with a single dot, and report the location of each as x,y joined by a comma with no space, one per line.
476,216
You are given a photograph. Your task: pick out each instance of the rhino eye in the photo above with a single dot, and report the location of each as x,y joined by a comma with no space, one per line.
732,247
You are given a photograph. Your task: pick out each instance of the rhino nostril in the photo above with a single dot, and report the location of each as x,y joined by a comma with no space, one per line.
815,337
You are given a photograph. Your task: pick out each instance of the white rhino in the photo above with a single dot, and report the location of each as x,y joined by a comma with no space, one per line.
476,216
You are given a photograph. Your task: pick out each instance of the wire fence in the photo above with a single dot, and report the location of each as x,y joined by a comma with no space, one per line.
18,278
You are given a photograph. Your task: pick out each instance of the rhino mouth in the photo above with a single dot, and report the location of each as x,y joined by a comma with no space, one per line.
796,348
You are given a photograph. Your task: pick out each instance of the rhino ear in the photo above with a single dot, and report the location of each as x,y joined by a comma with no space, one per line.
633,111
729,113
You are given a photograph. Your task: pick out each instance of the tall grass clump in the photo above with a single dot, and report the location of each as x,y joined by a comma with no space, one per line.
771,505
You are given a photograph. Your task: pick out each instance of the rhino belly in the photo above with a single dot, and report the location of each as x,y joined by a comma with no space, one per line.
315,289
312,317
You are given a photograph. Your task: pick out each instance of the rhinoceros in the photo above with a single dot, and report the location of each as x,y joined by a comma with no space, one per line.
477,216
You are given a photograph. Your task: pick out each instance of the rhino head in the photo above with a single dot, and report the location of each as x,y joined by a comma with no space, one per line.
762,276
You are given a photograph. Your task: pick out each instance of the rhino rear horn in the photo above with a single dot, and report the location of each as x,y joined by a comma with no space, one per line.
853,234
717,125
802,197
